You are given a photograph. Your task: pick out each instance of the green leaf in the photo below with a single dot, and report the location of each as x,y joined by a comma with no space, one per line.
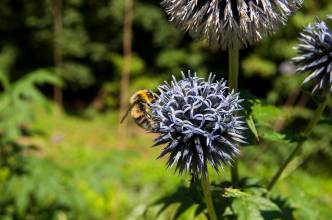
21,188
252,127
17,101
258,65
263,203
248,205
265,115
41,76
137,64
275,137
246,210
235,193
77,75
4,80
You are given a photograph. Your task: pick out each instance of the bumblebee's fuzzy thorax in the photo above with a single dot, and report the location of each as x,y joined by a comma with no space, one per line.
142,96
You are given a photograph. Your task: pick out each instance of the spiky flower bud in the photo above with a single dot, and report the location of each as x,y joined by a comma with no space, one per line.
222,22
315,56
197,119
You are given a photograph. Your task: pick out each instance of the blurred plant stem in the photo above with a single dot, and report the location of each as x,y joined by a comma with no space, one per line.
207,196
57,49
312,123
127,53
233,74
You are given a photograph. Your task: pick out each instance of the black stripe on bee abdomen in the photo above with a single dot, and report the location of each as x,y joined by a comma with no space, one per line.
144,122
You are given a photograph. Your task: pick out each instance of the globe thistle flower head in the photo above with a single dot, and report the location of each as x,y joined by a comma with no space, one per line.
315,56
223,21
197,119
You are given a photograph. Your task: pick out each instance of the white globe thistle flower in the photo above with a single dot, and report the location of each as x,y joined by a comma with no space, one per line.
315,56
198,120
222,22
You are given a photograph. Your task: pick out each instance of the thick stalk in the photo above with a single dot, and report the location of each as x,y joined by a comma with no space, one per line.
233,75
207,197
312,123
57,54
127,53
233,66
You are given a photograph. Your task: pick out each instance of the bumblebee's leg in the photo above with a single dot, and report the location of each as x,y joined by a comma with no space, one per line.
126,114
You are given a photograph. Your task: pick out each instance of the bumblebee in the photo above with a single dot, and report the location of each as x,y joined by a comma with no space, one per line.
140,110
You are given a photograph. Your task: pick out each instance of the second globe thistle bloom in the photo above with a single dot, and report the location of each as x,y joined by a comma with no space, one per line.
315,56
223,21
198,121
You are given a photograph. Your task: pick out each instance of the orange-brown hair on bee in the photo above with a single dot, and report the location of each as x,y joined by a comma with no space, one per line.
139,109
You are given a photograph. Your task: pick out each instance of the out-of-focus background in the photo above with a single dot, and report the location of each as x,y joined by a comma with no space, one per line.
67,68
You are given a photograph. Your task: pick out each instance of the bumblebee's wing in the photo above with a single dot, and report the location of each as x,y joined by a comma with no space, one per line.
126,114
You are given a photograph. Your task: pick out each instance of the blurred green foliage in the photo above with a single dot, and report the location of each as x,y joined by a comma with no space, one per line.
18,100
67,166
91,42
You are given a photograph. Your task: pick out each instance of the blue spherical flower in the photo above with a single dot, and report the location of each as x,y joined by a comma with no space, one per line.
198,120
315,56
222,22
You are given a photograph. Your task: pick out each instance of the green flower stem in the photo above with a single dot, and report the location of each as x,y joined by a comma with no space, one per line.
233,75
207,197
312,123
